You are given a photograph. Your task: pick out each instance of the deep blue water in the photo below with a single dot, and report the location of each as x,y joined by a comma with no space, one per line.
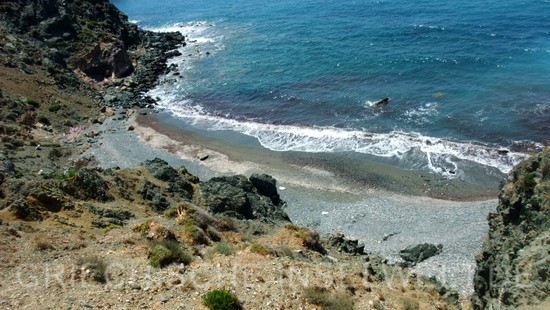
464,77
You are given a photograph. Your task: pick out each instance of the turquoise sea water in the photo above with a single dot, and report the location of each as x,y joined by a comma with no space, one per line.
464,77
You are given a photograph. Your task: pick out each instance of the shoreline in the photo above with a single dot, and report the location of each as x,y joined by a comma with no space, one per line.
319,195
231,152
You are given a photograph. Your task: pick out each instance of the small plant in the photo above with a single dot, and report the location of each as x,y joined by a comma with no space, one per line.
95,266
32,102
259,249
165,252
107,229
33,143
142,228
44,120
223,248
409,304
529,181
68,174
310,238
42,245
54,107
320,296
221,299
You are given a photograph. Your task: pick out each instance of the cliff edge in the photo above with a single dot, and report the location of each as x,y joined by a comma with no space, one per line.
513,267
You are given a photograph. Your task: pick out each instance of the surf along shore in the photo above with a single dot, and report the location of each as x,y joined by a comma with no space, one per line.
369,198
385,207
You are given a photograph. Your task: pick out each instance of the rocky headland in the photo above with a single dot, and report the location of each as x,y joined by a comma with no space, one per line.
75,234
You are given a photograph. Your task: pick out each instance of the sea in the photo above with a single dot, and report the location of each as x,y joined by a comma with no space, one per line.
468,82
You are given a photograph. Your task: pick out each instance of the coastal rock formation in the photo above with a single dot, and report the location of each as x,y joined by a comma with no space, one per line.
346,245
414,254
513,268
105,60
237,196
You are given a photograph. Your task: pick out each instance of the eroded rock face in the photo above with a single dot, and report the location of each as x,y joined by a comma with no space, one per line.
513,268
105,60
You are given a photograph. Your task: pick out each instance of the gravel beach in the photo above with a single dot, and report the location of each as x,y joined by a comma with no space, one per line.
390,204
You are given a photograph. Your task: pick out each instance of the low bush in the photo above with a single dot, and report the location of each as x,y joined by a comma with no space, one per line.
32,102
320,296
221,299
259,249
165,252
54,107
44,120
223,248
94,266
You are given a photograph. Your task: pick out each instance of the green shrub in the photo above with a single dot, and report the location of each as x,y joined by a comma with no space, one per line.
221,299
95,266
165,252
409,304
259,249
223,248
320,296
44,120
54,107
142,228
32,102
69,174
529,181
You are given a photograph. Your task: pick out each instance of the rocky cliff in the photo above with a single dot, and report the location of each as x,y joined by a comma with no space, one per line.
513,267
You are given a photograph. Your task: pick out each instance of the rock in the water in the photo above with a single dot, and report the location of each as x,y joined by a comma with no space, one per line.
513,267
415,254
346,245
382,102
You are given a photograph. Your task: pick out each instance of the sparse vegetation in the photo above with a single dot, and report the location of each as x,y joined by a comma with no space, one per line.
310,238
223,249
54,107
68,174
44,120
221,299
320,296
529,181
142,228
165,252
32,102
259,249
94,266
410,304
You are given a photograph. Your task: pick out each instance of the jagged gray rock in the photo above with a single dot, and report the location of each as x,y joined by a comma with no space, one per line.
513,267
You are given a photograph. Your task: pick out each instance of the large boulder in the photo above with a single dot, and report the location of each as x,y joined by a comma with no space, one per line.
415,254
346,245
180,182
513,267
238,197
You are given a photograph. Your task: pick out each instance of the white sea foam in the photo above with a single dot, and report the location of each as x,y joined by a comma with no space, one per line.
443,156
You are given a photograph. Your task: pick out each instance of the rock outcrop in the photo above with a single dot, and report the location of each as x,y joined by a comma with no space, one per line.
238,197
415,254
513,268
